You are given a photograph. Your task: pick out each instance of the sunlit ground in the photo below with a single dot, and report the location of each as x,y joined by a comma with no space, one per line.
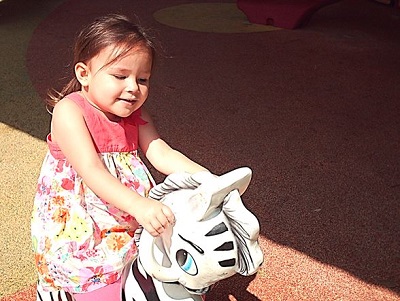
284,270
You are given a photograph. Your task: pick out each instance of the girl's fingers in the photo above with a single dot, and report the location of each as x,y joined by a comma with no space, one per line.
162,221
157,224
169,215
154,231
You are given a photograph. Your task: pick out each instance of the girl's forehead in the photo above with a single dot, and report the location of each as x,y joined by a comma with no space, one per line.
111,55
119,51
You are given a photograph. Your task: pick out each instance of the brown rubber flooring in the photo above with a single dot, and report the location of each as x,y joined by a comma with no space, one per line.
314,112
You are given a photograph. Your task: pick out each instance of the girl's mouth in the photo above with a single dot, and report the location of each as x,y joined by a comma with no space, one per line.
128,100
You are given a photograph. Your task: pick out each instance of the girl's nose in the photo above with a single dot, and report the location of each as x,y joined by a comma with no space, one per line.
132,86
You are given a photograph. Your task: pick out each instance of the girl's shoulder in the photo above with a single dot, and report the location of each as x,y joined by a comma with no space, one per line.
77,98
71,103
87,110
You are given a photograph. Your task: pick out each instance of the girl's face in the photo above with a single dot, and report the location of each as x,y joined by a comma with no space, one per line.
120,88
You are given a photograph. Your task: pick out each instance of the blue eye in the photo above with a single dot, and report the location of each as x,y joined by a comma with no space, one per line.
186,262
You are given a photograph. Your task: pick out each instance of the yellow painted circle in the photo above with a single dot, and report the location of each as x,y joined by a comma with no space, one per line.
209,17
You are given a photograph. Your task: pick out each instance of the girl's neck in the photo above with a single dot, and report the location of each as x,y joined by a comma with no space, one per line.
107,115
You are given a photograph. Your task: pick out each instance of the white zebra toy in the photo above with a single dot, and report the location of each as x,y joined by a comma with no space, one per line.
214,237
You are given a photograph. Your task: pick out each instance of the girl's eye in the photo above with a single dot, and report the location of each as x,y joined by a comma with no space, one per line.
143,80
119,76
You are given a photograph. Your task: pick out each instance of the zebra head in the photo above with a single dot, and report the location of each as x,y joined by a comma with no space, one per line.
214,237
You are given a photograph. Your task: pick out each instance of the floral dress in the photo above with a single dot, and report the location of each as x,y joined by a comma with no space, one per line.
81,242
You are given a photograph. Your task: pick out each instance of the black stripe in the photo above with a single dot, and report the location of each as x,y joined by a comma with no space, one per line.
225,246
218,229
40,297
69,297
227,263
145,284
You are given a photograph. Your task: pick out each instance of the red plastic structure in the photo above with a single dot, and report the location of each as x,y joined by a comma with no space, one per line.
289,14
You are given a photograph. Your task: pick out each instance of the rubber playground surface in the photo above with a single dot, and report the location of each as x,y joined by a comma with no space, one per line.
314,112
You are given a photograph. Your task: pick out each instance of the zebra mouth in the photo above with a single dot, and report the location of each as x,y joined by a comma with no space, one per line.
200,291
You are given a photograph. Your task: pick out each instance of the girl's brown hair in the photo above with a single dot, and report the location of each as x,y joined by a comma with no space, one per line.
110,30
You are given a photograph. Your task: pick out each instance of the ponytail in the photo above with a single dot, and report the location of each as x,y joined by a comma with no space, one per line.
54,96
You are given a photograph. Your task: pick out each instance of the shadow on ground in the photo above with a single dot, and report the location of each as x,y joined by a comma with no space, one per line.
314,112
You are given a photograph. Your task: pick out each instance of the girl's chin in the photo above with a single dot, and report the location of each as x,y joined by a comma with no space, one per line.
123,112
126,113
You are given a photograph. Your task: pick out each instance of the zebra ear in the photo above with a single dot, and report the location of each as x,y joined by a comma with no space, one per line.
174,182
217,188
246,228
184,194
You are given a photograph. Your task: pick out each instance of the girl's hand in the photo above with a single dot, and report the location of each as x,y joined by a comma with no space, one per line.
153,216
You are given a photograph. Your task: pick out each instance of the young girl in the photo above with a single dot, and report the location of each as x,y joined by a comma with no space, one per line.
91,193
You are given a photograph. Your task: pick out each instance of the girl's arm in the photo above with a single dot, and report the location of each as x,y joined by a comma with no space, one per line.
69,131
164,158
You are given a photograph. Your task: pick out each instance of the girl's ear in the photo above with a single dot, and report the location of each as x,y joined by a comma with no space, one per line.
82,73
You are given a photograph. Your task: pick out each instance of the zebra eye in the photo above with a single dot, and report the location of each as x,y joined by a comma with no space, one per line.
186,262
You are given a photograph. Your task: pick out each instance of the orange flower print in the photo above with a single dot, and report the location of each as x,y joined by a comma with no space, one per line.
115,241
58,200
50,282
47,244
61,215
112,278
41,264
94,276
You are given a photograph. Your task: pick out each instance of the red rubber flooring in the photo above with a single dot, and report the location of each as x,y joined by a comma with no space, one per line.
313,111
